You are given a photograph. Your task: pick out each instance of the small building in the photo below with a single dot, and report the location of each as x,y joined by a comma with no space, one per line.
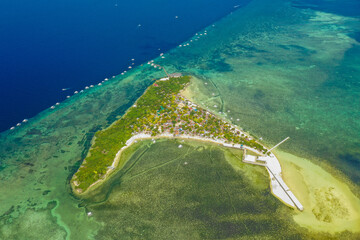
261,159
250,158
175,75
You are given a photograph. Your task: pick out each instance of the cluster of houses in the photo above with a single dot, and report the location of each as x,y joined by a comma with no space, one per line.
182,117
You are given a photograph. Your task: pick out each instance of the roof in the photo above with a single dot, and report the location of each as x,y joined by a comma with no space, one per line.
175,75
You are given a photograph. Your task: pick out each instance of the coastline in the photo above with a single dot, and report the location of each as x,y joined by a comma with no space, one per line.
265,157
276,182
290,175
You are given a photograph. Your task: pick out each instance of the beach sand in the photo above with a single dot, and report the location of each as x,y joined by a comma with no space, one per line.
329,205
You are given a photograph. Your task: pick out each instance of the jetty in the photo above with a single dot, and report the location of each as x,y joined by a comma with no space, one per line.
272,165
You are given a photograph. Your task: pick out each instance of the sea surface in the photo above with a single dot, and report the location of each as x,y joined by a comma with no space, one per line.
275,68
47,46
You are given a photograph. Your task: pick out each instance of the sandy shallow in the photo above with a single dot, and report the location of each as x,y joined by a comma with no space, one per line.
329,205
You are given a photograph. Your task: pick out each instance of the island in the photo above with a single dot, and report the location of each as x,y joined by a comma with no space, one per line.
163,112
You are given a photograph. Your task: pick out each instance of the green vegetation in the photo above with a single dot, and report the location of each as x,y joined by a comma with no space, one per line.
109,141
161,109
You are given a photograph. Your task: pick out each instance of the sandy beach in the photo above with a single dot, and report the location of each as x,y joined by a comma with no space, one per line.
329,205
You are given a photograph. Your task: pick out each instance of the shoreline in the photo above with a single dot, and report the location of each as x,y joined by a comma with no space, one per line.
276,182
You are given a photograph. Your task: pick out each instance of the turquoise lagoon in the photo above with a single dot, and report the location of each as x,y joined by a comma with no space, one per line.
280,69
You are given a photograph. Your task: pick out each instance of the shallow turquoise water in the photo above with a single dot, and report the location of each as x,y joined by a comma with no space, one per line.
282,71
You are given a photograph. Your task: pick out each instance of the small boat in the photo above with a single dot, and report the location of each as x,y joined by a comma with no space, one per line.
52,107
25,120
12,128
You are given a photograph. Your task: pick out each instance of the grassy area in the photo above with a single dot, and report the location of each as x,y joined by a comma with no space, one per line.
161,109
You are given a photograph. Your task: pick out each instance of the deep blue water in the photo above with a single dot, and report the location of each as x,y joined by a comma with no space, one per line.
46,46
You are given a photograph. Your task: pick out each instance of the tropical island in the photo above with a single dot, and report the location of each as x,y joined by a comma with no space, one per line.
163,112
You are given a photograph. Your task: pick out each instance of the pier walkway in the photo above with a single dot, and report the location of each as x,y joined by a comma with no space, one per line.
278,186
